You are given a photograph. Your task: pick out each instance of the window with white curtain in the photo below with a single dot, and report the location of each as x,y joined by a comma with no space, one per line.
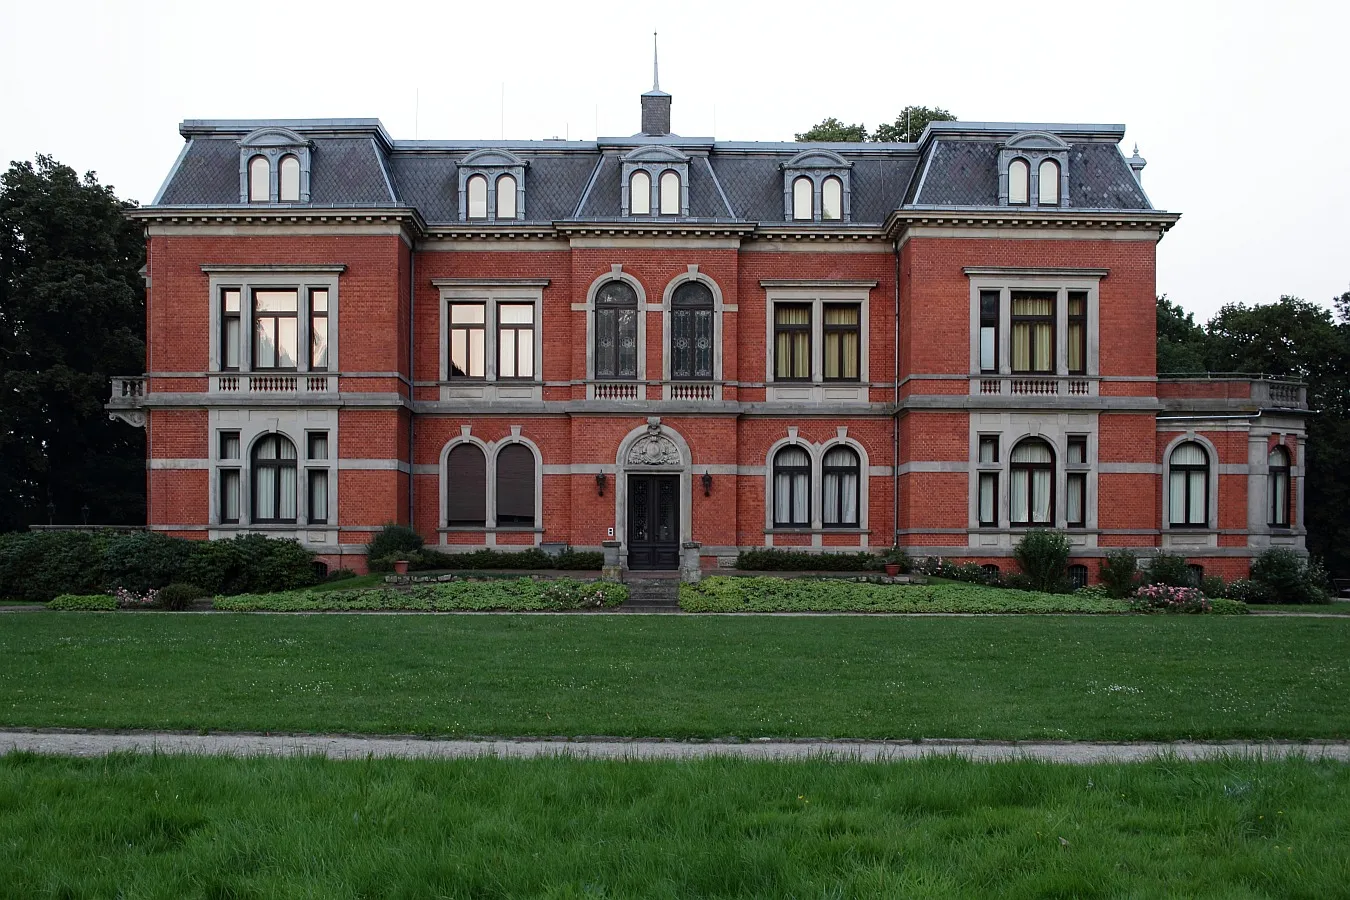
1032,486
259,180
670,193
289,172
1033,332
840,479
1188,486
988,481
1277,487
791,488
1048,189
1019,182
274,480
640,194
803,193
477,202
229,477
506,197
842,335
832,199
316,450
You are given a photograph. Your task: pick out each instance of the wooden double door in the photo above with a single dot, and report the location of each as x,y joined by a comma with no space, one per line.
653,522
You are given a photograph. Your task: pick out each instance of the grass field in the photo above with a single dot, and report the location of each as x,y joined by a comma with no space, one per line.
1158,677
157,826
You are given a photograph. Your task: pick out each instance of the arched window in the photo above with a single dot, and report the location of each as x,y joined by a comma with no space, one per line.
691,332
670,193
832,199
1019,181
259,180
1033,483
506,197
465,487
1048,190
616,322
640,194
1277,488
791,488
840,480
274,485
803,194
1189,486
515,486
290,179
477,189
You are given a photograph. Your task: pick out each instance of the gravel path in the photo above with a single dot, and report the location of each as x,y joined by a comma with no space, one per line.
71,743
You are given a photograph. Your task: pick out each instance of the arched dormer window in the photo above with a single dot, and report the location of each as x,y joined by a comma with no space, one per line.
1019,182
1188,486
832,199
640,194
1277,488
670,193
289,177
274,166
478,200
1048,189
259,180
803,196
816,187
506,197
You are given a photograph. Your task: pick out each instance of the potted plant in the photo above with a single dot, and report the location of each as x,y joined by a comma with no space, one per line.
401,566
893,561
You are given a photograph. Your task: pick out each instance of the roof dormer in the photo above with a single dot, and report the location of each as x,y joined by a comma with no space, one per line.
1033,170
274,167
817,188
655,182
492,186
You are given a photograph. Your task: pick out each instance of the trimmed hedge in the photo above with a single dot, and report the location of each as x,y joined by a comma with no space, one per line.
518,594
41,565
568,560
798,561
98,602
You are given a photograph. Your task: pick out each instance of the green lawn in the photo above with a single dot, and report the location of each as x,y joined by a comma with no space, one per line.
1155,677
157,826
1333,609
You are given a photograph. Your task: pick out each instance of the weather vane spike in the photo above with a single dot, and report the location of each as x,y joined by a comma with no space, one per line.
656,76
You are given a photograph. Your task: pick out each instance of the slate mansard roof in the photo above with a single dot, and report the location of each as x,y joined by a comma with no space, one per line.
355,164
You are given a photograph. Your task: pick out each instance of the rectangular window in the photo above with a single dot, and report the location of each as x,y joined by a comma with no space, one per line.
792,341
1033,332
229,478
229,445
275,329
318,496
467,324
988,499
515,340
988,448
1076,508
841,325
318,330
989,308
230,326
1077,350
1077,450
317,445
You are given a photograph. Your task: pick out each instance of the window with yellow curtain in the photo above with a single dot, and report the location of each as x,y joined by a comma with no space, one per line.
1033,332
841,333
792,342
1077,332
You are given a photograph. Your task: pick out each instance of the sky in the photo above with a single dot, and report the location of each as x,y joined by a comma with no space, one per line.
1239,107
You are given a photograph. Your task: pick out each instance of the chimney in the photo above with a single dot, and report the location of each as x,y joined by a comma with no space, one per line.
1137,164
655,103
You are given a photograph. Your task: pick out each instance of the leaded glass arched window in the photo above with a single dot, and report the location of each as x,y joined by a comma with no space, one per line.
691,332
616,324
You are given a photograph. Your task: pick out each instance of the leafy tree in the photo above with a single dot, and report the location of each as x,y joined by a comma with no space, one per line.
909,125
1181,342
833,130
72,313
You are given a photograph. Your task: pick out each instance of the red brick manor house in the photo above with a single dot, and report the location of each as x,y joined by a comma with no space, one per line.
686,346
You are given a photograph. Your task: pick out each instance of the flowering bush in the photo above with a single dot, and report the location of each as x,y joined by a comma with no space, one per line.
131,600
1165,598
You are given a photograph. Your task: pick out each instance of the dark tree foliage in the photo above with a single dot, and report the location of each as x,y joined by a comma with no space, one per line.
833,130
72,313
909,125
1181,342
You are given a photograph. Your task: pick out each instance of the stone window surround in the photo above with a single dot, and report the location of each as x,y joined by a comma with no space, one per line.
655,161
1062,281
490,449
247,279
491,164
1011,429
616,273
817,451
1033,147
1211,486
817,294
684,468
719,308
272,144
491,292
818,165
253,426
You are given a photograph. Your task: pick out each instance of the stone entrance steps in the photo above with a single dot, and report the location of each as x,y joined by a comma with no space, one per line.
652,595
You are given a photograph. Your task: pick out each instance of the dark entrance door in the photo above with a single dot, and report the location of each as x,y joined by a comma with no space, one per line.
653,521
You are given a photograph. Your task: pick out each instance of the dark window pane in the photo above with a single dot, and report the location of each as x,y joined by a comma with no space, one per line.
466,486
515,485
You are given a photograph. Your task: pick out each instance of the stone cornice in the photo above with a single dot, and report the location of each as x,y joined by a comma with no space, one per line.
230,268
900,221
655,226
277,215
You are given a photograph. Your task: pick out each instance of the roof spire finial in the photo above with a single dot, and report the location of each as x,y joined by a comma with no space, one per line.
656,76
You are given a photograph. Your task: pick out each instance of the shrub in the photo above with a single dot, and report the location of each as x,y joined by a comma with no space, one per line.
772,560
520,594
1223,606
1167,598
339,575
143,560
766,594
1291,578
1119,571
1043,556
40,565
132,600
249,562
392,542
83,602
1169,569
178,596
1245,590
1213,586
1097,591
533,558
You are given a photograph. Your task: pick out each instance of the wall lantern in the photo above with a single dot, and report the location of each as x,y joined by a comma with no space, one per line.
600,483
707,483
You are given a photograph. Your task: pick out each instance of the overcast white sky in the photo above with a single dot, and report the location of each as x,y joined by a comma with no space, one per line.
1240,107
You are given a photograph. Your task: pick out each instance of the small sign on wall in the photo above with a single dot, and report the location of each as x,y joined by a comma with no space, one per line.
609,532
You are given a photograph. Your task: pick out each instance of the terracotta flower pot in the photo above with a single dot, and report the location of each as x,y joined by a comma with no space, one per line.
892,569
401,566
